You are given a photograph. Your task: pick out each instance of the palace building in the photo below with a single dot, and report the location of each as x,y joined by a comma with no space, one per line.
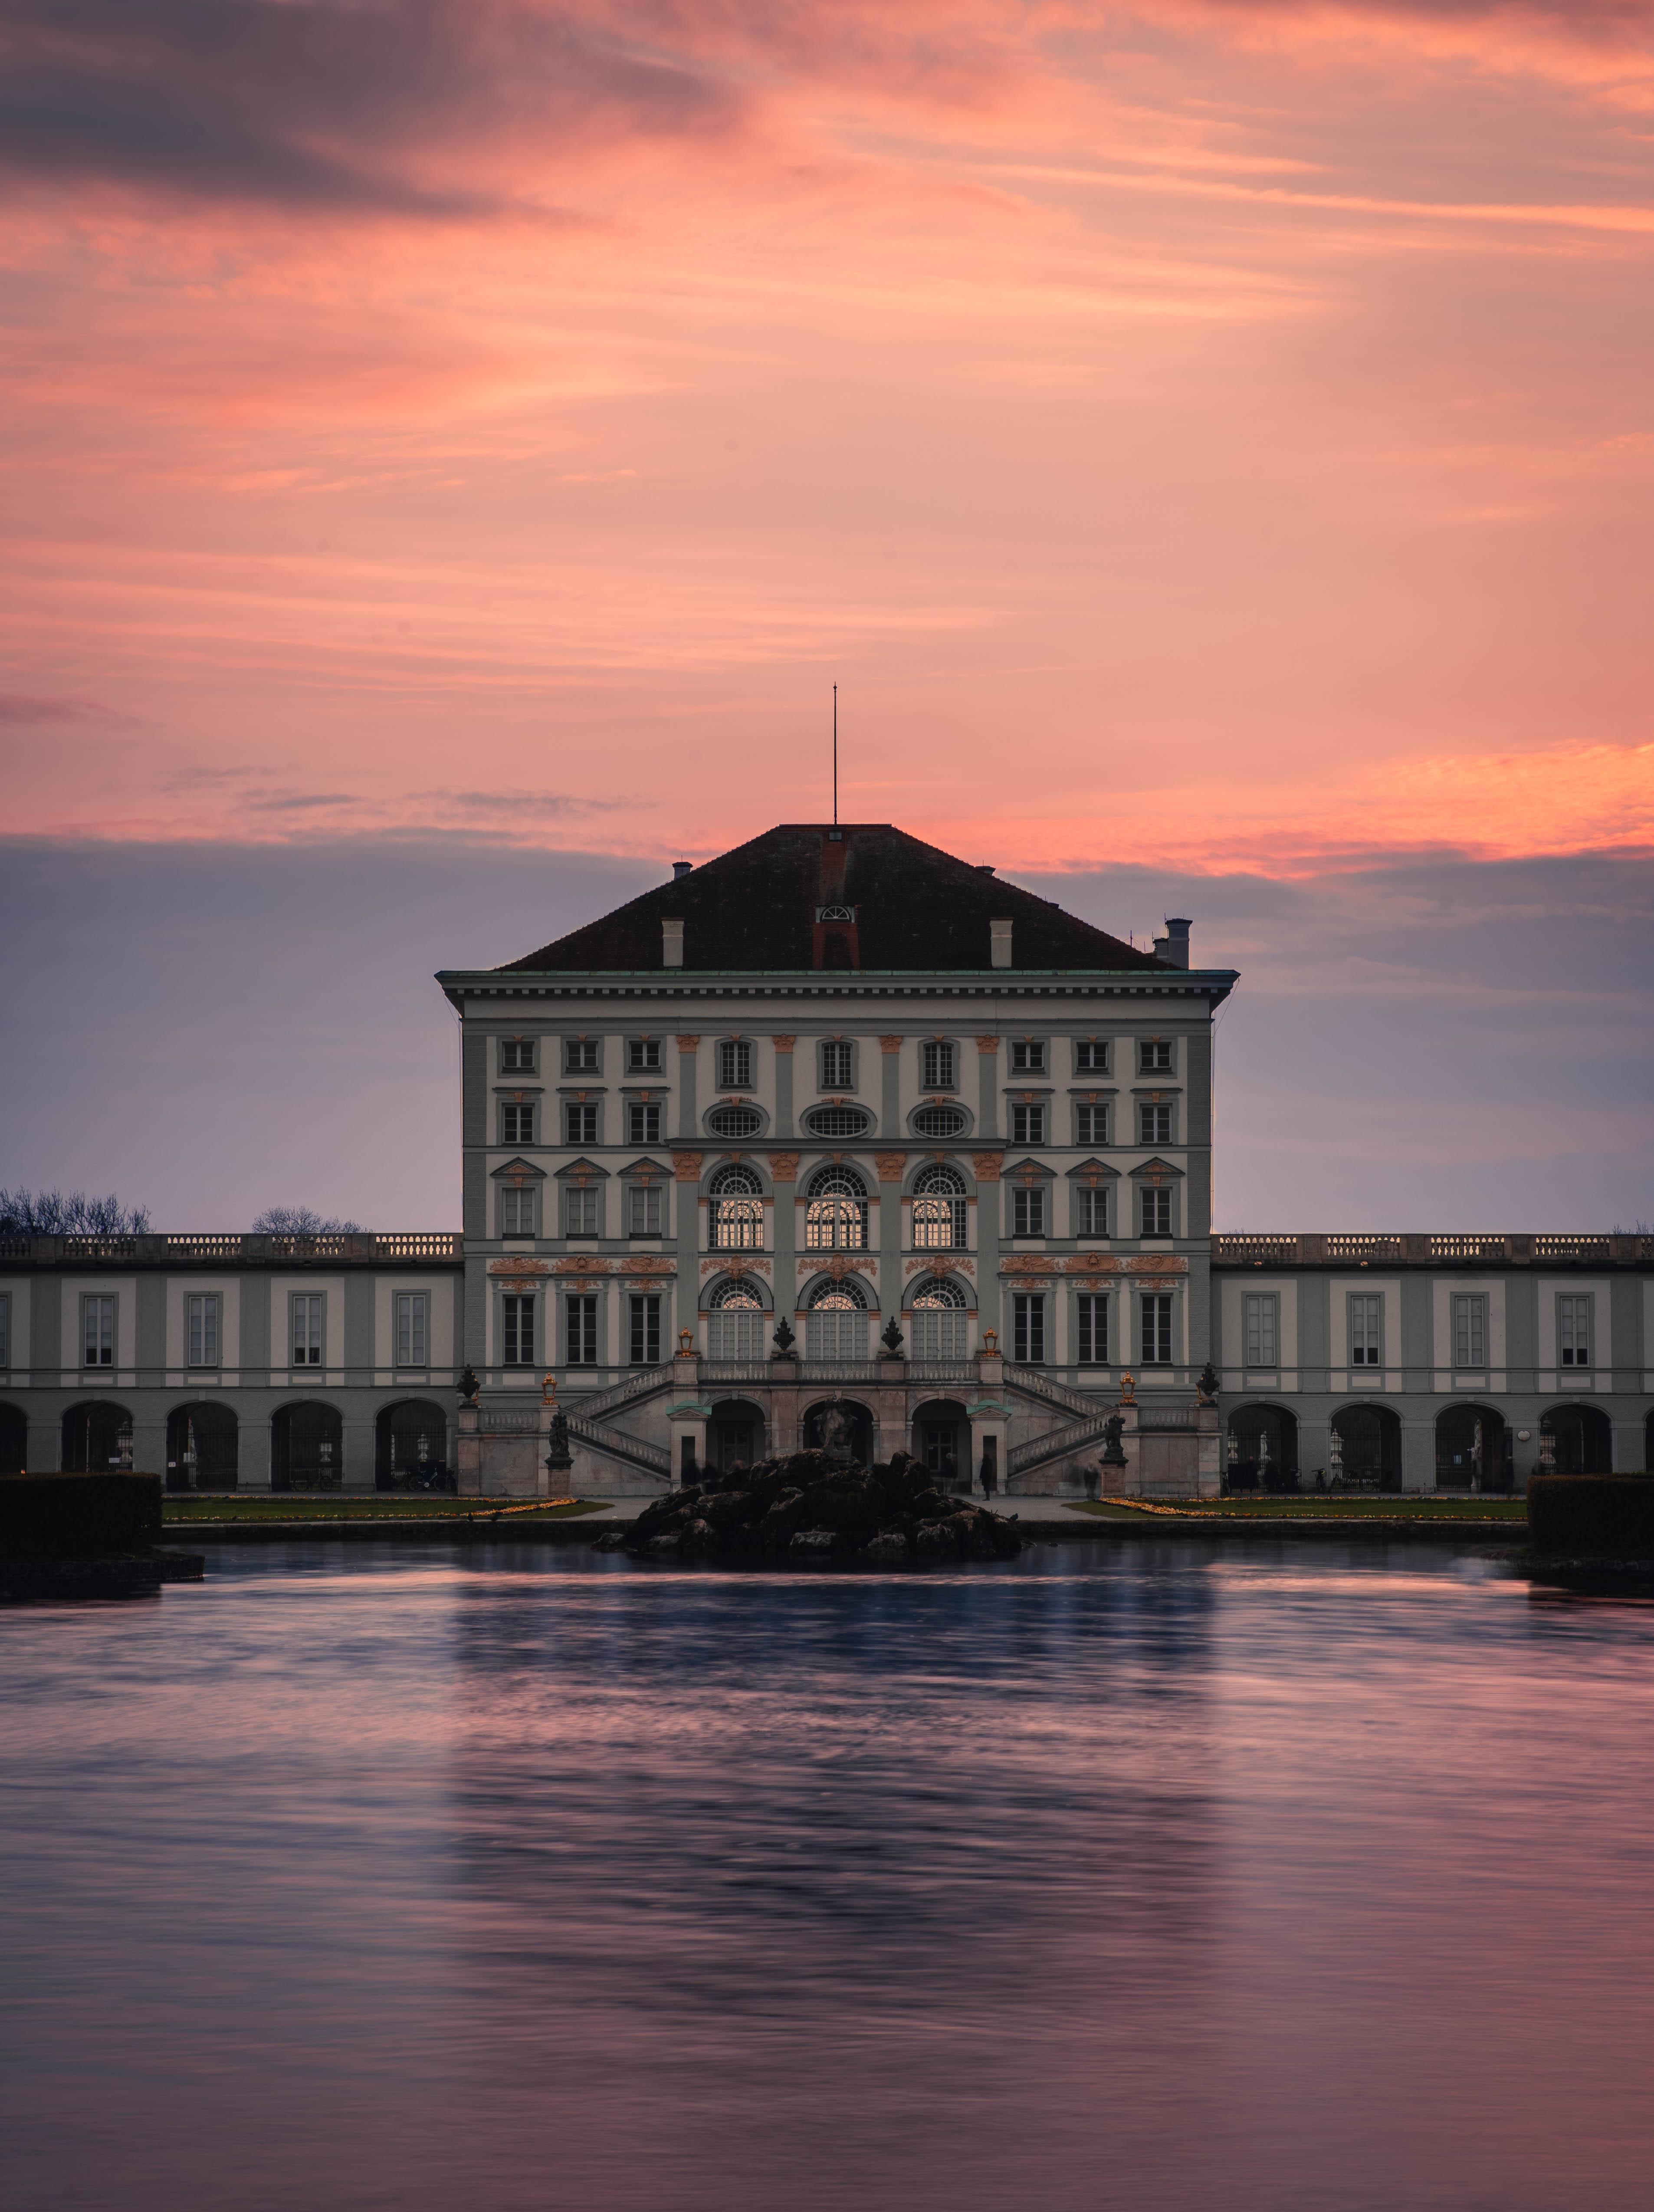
833,1128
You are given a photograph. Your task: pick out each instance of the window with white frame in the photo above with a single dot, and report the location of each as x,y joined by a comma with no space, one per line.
835,1212
1028,1327
1091,1209
580,1125
517,1210
939,1321
1155,1209
580,1329
1261,1321
644,1210
1154,1124
1028,1210
581,1056
1469,1329
200,1323
939,1065
1091,1328
735,1064
516,1056
1366,1328
838,1069
517,1331
98,1332
643,1337
735,1325
734,1211
517,1124
836,1322
1154,1056
1027,1125
1573,1328
1091,1125
306,1310
642,1122
1090,1056
582,1214
413,1315
1156,1314
643,1056
1027,1056
939,1210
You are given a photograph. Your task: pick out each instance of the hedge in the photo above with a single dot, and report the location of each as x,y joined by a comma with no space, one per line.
1588,1514
69,1515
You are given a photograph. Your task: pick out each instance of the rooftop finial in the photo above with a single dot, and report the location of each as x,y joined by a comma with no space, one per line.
835,755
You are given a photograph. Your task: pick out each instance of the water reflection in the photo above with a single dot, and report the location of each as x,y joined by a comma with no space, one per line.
1136,1874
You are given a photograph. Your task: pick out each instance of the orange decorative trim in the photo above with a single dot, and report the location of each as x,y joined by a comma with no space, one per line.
784,1043
890,1166
987,1044
518,1264
784,1167
647,1263
688,1043
580,1263
986,1165
754,1264
1095,1263
889,1044
685,1166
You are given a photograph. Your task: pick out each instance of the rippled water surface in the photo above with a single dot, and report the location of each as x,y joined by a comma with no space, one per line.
1115,1876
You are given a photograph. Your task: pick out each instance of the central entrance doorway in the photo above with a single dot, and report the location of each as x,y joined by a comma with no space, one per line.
736,1431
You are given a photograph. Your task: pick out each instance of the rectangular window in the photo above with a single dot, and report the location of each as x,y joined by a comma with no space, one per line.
1154,1204
1154,1056
642,1055
580,1055
940,1334
100,1332
643,1210
837,1333
734,1064
1028,1211
645,1329
1027,1056
5,1330
1091,1125
1027,1125
642,1123
835,1066
412,1313
580,1211
1261,1317
1091,1210
1090,1056
580,1331
939,1066
1028,1327
201,1325
1156,1328
517,1332
1366,1313
516,1056
517,1124
1091,1321
735,1333
1154,1125
306,1329
1470,1330
517,1210
580,1125
1574,1329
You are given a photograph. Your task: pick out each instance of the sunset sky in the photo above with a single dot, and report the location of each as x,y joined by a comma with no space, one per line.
1206,440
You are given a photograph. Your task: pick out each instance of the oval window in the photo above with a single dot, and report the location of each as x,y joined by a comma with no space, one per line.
734,1121
939,1121
839,1121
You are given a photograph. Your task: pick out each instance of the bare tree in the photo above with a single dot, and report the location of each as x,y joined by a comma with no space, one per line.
68,1214
301,1221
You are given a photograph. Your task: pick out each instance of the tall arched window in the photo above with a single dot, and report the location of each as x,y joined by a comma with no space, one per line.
939,1211
939,1321
735,1222
837,1321
835,1218
734,1326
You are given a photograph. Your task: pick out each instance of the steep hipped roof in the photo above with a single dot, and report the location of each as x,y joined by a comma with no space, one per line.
759,909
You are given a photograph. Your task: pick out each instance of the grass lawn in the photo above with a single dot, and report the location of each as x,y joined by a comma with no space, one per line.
1395,1505
389,1505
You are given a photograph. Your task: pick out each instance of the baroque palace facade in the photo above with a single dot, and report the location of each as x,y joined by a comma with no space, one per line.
833,1130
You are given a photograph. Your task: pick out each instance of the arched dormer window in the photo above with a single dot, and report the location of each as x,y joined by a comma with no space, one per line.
940,1325
837,1321
939,1214
736,1214
734,1326
835,1216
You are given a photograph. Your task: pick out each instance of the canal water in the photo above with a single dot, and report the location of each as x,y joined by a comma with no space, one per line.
1147,1876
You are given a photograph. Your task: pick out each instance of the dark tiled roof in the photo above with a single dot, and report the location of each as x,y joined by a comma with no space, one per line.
916,907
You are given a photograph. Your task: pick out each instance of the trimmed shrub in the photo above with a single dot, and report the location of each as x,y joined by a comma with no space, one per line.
70,1515
1588,1514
